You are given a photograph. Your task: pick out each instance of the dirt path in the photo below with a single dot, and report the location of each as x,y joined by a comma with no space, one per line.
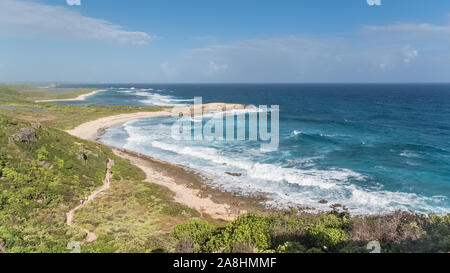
90,236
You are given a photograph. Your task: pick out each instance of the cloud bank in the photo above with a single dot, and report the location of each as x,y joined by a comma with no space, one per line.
38,19
385,53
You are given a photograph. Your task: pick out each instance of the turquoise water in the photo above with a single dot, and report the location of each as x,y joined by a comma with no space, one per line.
372,148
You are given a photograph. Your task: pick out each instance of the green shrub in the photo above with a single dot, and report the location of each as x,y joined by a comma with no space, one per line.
325,236
315,250
122,169
59,163
252,228
103,244
291,247
352,248
42,154
199,231
3,137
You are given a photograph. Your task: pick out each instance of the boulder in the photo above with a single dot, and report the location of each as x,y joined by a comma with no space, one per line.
234,174
25,135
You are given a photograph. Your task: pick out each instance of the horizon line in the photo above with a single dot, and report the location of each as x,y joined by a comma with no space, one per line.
121,83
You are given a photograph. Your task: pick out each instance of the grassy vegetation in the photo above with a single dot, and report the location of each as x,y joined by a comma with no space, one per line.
28,94
41,178
132,217
60,116
43,175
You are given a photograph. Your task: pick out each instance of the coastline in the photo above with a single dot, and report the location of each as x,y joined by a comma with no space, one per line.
188,187
91,130
80,97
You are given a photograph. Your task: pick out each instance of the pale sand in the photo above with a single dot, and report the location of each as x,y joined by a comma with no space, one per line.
80,97
91,130
183,194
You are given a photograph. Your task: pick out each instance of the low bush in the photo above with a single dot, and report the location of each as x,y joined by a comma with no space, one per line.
291,247
326,236
252,229
197,231
293,232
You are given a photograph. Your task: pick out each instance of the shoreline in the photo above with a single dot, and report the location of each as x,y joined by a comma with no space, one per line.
91,130
188,187
79,98
191,189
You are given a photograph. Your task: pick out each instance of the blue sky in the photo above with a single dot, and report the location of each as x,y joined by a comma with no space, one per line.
225,41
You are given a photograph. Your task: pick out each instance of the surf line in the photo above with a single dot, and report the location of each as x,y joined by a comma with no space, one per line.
213,129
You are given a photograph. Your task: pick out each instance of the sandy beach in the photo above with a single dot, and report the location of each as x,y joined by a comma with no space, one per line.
80,97
92,130
188,187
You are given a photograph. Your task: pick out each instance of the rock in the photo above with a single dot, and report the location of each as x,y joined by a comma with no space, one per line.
336,206
36,125
323,201
25,135
234,174
45,164
2,247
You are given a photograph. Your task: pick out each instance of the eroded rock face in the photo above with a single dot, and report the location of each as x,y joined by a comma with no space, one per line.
26,134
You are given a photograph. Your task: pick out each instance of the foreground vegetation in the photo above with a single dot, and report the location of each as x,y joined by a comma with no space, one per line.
44,172
294,232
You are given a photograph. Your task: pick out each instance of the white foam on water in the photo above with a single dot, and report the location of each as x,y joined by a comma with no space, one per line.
159,99
287,186
409,154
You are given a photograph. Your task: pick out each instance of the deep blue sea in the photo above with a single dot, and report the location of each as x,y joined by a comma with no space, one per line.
373,148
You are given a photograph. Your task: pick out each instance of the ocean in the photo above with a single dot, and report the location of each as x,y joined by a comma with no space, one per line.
373,148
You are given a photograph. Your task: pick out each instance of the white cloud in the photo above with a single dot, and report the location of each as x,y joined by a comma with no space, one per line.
301,59
409,54
283,59
54,21
216,68
73,2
